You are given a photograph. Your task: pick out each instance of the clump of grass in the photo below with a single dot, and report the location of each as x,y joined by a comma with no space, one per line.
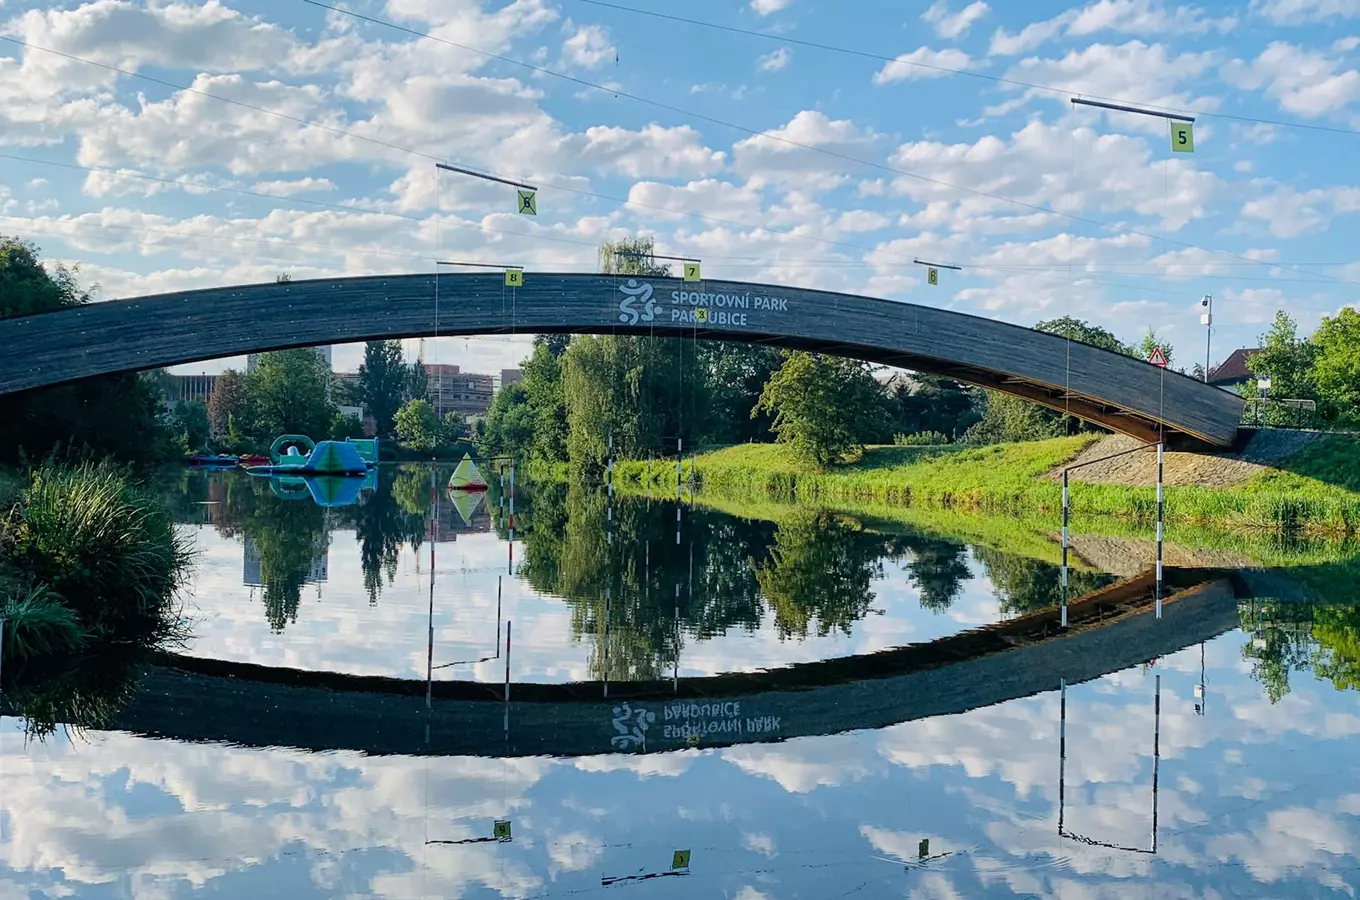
106,548
37,623
90,573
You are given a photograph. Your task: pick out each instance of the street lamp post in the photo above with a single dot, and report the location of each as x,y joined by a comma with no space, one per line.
1207,320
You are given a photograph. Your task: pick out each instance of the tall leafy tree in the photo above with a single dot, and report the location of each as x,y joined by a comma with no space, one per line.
189,426
547,402
384,382
418,426
734,376
116,415
925,403
1286,359
1337,365
1081,330
417,382
823,407
509,422
228,399
27,286
630,389
289,393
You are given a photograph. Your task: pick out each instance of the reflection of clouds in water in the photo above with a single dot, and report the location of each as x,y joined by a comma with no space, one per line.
801,818
800,767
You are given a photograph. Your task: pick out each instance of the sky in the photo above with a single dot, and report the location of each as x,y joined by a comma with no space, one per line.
918,130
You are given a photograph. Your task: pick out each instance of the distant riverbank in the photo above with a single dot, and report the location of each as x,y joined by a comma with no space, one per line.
1316,489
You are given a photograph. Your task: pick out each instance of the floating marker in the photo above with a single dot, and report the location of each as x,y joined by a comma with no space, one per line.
923,849
1183,137
691,271
680,860
514,278
501,830
933,276
528,202
1158,358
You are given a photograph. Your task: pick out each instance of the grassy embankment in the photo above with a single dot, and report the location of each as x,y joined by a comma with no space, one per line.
1316,490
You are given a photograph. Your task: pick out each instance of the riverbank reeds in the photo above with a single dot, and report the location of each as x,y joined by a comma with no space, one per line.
91,568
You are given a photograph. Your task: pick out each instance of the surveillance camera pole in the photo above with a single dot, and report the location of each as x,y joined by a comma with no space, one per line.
1208,320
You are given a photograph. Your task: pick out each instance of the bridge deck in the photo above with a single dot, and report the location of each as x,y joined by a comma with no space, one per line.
1121,393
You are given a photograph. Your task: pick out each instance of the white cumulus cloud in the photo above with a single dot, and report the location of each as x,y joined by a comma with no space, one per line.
773,62
923,62
953,25
1141,17
588,47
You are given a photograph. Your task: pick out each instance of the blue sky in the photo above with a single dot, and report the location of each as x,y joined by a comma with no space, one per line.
843,168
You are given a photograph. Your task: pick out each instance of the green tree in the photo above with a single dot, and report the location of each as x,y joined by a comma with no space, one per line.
638,391
823,407
1337,366
384,382
1006,418
925,403
1286,359
346,426
453,427
289,393
509,422
229,398
1151,342
546,398
115,415
189,426
417,382
418,426
27,286
1081,330
735,375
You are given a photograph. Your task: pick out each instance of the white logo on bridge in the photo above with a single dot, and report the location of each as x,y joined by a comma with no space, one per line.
634,293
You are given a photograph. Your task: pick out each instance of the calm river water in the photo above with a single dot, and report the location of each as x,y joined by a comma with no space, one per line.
803,704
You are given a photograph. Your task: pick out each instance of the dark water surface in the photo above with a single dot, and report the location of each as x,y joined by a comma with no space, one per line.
808,705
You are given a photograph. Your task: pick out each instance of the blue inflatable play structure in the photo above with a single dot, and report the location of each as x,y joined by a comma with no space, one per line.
297,454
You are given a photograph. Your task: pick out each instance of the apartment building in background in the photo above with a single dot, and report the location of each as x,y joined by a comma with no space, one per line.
451,390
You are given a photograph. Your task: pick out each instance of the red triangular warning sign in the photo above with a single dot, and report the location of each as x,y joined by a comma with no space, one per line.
1158,358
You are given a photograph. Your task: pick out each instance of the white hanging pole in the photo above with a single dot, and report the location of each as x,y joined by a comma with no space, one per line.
1062,752
606,641
1156,754
675,674
510,567
1161,512
507,679
679,467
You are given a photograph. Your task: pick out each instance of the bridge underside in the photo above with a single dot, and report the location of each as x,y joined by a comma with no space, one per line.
1123,394
1111,630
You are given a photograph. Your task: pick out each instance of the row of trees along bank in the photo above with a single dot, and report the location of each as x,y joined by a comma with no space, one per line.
643,393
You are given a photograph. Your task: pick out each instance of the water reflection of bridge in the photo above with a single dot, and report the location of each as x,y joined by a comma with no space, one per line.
1110,630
